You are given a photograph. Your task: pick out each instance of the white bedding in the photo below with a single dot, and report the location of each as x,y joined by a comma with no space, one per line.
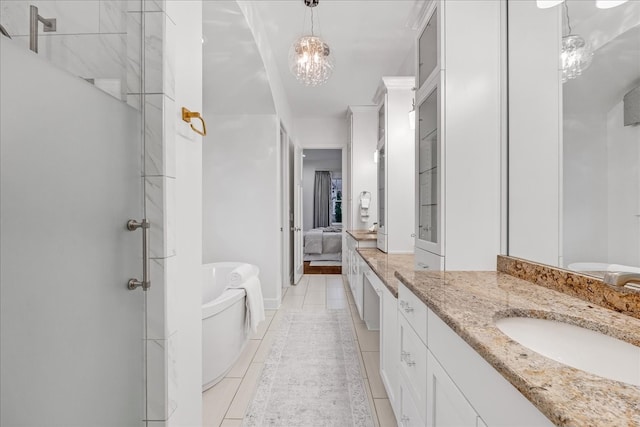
318,241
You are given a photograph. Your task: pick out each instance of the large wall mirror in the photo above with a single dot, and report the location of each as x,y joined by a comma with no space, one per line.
574,138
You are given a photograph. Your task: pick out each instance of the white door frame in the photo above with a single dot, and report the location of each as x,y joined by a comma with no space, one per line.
284,180
343,160
298,262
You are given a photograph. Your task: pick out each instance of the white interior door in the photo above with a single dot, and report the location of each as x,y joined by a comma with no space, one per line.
71,336
284,208
297,217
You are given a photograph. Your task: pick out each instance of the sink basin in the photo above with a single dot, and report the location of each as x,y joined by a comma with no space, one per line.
577,347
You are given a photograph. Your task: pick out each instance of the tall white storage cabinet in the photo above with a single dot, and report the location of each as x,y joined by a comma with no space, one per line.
363,122
458,132
396,157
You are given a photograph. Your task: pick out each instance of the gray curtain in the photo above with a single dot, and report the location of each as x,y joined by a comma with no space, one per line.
321,198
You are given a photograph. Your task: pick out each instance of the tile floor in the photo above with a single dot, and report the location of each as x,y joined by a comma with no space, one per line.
224,404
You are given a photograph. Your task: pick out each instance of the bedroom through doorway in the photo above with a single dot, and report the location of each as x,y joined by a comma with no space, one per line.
322,198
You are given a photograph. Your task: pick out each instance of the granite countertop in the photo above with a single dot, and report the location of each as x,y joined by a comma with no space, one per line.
361,235
469,302
385,265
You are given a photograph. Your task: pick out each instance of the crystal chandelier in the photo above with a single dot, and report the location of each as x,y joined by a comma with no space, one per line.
576,55
310,59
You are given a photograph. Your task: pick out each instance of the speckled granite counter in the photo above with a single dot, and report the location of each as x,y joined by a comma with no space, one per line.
385,265
362,235
469,302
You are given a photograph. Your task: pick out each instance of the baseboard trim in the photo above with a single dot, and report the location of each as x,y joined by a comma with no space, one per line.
271,303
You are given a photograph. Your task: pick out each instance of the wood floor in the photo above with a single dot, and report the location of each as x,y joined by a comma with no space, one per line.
321,270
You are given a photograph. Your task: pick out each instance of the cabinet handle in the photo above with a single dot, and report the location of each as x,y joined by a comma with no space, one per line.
403,304
408,308
406,357
405,420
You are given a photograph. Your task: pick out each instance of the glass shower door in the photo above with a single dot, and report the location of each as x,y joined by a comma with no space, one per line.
72,334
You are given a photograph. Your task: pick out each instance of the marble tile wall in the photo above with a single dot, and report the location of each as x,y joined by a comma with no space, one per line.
91,40
157,98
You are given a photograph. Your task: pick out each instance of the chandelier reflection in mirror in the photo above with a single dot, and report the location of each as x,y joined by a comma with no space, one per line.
310,59
576,55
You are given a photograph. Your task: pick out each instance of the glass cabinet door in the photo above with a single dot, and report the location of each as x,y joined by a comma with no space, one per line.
428,170
381,187
428,49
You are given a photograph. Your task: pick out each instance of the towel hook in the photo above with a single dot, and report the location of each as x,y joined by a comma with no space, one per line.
188,115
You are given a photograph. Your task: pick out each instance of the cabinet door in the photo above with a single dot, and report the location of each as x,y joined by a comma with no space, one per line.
359,285
446,405
429,174
428,48
413,364
382,179
408,409
389,345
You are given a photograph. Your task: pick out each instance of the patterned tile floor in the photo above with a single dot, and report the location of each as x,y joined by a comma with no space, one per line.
225,403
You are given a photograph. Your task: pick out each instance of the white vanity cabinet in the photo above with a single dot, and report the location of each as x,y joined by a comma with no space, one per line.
396,140
442,381
470,374
458,134
371,297
412,366
354,269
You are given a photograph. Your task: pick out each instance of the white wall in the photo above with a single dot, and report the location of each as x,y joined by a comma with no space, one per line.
585,188
408,66
535,118
321,132
240,203
309,168
186,299
601,188
623,147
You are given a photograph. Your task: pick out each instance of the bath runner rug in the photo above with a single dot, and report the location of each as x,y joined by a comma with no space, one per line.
312,375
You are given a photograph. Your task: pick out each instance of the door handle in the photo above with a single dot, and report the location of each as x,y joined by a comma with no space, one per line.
133,225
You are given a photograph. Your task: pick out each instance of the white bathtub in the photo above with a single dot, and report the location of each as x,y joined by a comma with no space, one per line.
223,322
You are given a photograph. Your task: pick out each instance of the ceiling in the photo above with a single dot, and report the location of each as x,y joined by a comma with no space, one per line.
370,39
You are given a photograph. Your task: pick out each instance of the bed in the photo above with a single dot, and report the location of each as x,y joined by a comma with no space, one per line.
323,244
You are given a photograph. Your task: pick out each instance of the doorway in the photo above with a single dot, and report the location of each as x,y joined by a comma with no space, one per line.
322,202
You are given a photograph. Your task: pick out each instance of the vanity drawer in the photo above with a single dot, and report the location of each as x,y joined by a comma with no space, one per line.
414,310
413,364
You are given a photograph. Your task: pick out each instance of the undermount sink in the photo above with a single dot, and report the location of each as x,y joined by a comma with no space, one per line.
577,347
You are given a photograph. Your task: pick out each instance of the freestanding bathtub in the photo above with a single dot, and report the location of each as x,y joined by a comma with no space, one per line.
223,322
